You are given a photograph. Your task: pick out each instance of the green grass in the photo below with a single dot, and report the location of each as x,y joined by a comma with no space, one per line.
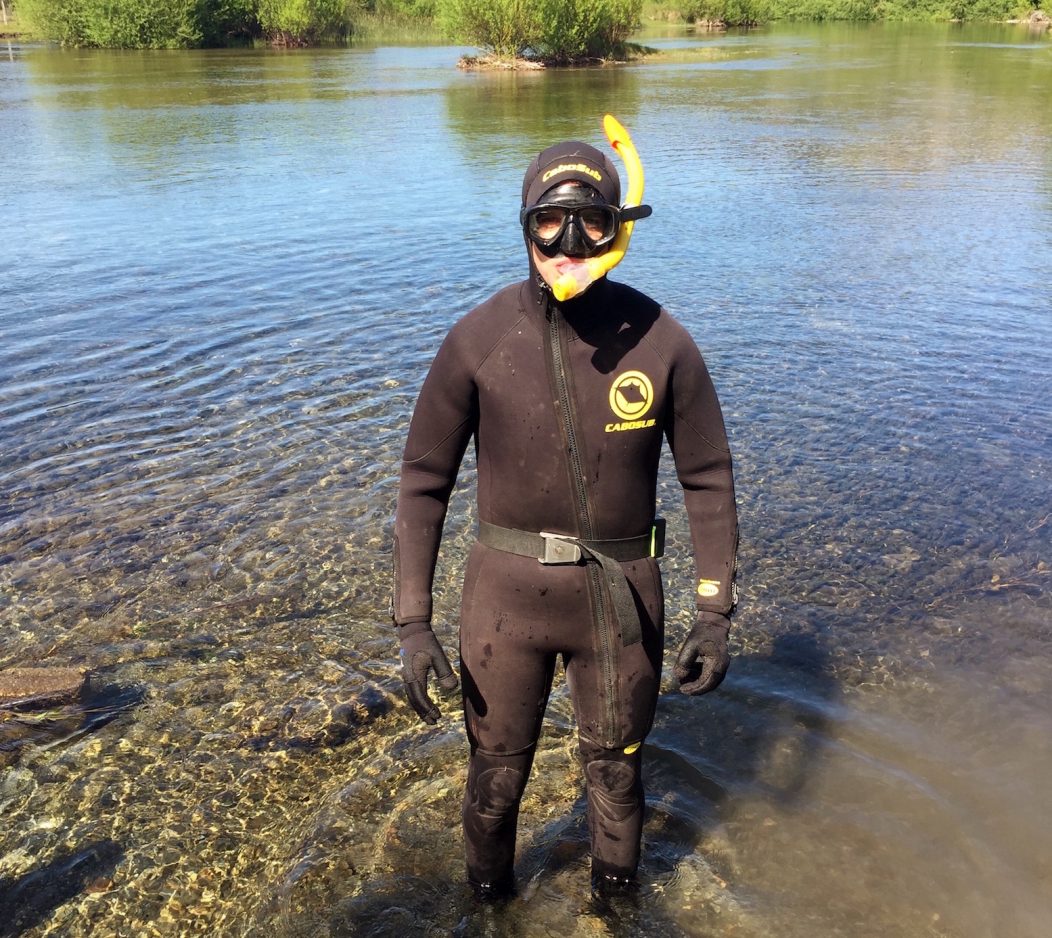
661,11
13,29
763,11
387,29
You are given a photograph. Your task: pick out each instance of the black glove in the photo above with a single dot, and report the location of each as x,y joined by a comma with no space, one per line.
701,664
420,653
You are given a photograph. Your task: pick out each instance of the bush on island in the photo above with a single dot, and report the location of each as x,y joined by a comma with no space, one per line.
503,28
587,28
556,31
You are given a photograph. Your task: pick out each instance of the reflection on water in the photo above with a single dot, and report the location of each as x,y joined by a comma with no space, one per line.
229,274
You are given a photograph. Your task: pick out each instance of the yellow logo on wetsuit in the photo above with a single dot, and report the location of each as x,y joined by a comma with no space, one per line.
708,588
631,396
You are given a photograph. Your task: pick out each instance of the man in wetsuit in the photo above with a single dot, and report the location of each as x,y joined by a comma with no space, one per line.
568,403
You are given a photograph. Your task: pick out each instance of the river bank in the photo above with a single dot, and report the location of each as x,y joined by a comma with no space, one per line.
12,29
380,29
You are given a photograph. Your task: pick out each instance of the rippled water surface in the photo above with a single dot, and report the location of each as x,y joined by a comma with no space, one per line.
224,276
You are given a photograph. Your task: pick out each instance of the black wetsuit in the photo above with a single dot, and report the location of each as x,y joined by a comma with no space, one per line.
568,405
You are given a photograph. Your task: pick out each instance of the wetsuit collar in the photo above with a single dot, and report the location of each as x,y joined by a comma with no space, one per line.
588,315
537,292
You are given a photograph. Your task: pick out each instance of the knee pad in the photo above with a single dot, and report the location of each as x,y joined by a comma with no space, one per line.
614,785
496,783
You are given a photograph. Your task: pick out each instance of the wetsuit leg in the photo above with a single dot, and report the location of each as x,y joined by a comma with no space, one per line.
615,808
612,776
508,657
491,813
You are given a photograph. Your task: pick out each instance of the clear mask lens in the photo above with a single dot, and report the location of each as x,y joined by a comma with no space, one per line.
575,230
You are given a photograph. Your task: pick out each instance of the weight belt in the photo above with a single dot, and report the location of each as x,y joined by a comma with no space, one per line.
549,548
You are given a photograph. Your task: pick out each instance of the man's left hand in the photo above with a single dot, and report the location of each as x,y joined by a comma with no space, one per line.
702,662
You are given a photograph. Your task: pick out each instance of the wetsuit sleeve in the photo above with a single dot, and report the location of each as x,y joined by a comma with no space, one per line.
445,417
696,435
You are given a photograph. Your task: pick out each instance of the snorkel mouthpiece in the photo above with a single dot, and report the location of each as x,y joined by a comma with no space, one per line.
582,275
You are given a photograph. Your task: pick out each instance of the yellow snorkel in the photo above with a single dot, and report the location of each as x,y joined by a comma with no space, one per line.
571,284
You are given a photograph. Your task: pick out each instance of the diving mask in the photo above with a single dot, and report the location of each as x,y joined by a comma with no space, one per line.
575,220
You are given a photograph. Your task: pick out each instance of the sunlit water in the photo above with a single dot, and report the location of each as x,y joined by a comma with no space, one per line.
224,276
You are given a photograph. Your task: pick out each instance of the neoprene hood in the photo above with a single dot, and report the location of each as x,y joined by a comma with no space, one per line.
569,161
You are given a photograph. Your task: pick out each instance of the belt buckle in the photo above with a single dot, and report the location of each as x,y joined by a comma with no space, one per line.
557,549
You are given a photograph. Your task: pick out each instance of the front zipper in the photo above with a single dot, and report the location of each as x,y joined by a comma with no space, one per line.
611,731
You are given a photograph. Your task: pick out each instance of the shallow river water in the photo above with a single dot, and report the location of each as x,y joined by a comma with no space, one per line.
223,277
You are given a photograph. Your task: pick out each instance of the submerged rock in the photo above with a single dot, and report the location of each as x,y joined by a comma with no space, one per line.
55,720
328,719
32,687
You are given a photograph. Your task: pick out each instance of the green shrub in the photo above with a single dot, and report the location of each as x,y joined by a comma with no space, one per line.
169,24
907,11
990,10
504,27
728,12
401,9
748,12
223,21
60,20
123,24
585,29
555,30
304,21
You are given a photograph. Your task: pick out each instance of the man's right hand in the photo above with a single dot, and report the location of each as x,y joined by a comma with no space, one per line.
420,654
